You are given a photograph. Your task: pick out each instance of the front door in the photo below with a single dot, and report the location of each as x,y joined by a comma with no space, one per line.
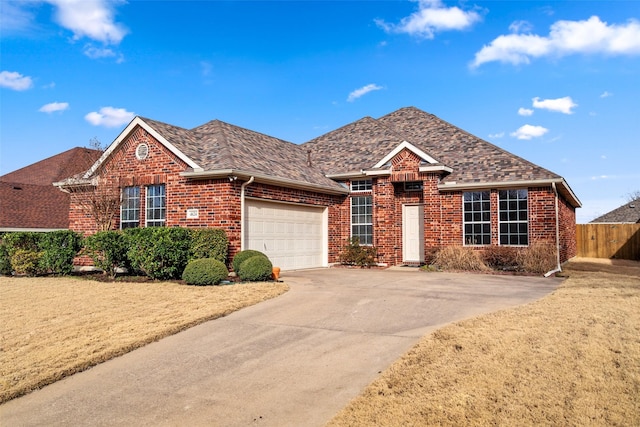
413,234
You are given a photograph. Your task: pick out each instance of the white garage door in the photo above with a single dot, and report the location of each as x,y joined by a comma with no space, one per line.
292,236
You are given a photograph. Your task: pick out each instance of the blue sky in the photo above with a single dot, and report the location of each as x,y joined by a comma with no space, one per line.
555,82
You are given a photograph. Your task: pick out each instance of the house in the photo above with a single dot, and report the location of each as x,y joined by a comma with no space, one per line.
407,183
629,213
28,199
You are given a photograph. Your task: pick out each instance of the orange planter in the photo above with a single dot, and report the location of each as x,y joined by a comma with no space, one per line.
275,273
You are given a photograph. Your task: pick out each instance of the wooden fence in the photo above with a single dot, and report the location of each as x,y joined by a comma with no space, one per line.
620,241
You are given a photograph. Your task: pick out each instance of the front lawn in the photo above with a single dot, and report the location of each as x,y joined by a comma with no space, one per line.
55,327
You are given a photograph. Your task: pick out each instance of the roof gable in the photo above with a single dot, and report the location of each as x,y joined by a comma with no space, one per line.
408,146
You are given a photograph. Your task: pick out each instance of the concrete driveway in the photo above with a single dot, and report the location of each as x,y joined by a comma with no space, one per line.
292,361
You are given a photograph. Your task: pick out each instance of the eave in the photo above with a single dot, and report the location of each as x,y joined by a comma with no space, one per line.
233,174
562,185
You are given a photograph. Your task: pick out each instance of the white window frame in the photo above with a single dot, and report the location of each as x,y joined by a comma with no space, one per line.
128,206
512,213
362,220
156,206
360,185
476,217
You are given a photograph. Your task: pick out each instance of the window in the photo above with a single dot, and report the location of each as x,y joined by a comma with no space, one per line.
362,219
361,185
413,186
156,205
513,217
477,218
130,208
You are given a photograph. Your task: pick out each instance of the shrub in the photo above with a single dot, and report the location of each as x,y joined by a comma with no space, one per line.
459,258
26,261
255,269
354,254
209,243
59,248
205,271
500,257
108,250
242,256
159,252
5,261
538,258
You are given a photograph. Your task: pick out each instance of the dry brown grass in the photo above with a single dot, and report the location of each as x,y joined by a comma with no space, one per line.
571,359
54,327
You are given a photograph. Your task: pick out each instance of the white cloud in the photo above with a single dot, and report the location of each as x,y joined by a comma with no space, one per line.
432,16
15,16
93,19
110,117
14,80
520,27
97,52
496,135
606,94
590,36
561,105
525,111
362,91
54,106
528,132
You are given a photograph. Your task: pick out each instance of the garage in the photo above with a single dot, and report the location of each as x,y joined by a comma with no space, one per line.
293,236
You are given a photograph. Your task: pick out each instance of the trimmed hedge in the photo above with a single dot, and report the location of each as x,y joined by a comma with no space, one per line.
59,249
242,256
204,272
33,253
256,269
108,250
159,252
209,243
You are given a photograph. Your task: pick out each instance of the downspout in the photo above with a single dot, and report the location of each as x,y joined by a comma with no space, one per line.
558,268
242,214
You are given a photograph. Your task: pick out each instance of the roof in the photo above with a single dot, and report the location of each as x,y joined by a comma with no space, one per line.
28,199
472,161
627,213
219,148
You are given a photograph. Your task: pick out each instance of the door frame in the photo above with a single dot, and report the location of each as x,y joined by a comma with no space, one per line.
406,238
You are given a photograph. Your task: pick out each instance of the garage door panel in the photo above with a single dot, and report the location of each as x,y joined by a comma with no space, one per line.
292,236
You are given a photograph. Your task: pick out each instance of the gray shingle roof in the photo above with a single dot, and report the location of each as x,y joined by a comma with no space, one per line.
217,145
360,145
627,213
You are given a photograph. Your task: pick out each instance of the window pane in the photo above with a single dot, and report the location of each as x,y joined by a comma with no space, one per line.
156,202
513,216
362,219
130,208
477,217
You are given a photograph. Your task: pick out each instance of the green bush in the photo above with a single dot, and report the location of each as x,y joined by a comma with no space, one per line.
209,243
205,271
5,261
108,250
26,261
256,269
159,252
59,248
242,256
354,254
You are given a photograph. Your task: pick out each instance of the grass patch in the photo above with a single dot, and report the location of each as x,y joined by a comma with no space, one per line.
55,327
570,358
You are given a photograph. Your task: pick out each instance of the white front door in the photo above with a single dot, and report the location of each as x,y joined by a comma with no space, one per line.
413,233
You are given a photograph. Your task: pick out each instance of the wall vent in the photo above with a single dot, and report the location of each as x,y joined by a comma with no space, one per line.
142,151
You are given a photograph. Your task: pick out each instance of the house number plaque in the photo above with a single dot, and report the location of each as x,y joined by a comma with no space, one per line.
193,214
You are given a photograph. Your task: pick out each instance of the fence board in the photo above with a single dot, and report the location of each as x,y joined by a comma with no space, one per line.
620,241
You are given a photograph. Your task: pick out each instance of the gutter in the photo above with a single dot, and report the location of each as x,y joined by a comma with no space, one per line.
558,268
242,214
265,179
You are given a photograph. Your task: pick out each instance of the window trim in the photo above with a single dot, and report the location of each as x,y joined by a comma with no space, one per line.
483,223
150,207
368,225
125,208
516,221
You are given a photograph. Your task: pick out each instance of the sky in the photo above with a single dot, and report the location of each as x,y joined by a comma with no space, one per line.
554,82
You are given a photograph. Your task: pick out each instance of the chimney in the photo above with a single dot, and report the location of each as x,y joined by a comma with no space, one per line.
309,158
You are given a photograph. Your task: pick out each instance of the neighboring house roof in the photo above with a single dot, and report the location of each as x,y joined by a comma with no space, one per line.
217,148
472,161
28,199
627,213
